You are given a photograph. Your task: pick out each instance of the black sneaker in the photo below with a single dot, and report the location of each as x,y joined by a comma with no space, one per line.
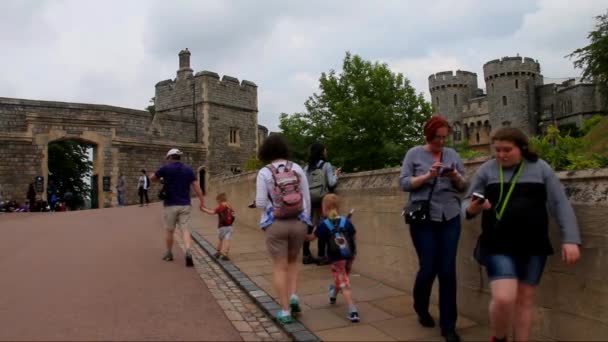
426,320
353,317
168,256
308,259
322,261
450,336
189,261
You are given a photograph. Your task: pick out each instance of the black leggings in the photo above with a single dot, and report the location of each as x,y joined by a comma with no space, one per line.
143,193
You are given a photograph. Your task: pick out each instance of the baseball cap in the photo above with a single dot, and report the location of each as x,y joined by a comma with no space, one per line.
174,151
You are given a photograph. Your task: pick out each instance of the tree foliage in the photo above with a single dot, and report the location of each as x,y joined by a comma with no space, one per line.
69,165
367,116
593,58
566,152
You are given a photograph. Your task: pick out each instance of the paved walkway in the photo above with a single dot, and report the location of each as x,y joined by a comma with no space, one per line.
98,275
386,312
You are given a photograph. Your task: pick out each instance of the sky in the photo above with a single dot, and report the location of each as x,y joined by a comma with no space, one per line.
114,52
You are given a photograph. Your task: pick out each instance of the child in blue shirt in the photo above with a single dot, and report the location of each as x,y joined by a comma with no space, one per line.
338,233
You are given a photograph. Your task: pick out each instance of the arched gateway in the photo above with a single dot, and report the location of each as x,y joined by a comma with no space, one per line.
212,120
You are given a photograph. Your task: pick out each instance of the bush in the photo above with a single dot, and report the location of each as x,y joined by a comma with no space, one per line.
565,152
465,151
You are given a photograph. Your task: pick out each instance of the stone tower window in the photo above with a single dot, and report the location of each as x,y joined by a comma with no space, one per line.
516,84
437,102
235,139
504,100
455,99
492,84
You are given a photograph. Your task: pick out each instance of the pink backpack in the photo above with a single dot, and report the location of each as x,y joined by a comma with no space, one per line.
287,200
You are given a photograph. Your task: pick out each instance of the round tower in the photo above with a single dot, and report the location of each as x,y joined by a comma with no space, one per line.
449,92
511,92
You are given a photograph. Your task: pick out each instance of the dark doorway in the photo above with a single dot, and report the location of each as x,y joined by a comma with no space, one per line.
201,180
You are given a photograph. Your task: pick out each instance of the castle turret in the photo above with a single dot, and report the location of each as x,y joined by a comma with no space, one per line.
184,65
511,92
450,92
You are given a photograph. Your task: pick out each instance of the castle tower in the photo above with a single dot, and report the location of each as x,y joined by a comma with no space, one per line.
184,65
450,92
511,92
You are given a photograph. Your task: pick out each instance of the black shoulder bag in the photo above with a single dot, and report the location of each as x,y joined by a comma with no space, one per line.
420,211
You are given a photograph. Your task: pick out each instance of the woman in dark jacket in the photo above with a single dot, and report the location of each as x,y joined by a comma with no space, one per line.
513,191
434,167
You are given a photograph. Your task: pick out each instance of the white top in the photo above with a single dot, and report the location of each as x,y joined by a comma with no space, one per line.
143,182
264,185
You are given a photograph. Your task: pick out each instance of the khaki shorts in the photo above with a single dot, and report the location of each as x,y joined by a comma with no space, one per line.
177,215
284,238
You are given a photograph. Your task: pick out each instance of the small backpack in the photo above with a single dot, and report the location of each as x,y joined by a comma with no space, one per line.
286,195
341,244
317,184
227,216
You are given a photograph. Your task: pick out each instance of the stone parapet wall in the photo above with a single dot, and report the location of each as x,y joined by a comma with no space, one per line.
572,301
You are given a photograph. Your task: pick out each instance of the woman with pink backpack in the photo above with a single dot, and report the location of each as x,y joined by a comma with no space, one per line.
283,195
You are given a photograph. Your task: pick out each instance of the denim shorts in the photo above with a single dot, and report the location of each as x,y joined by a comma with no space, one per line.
526,268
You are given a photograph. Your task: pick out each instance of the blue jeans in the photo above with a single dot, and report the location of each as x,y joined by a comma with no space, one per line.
436,244
526,269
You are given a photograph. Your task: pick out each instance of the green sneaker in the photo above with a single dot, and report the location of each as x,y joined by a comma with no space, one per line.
284,319
294,305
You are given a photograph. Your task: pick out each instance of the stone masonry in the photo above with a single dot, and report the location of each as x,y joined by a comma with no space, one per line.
213,121
515,96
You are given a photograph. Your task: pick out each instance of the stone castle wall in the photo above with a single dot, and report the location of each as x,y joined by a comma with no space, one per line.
123,140
515,96
572,301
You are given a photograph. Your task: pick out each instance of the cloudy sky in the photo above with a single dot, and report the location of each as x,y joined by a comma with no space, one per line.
114,52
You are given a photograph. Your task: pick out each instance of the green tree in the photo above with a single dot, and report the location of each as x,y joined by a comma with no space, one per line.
593,58
69,165
367,115
152,107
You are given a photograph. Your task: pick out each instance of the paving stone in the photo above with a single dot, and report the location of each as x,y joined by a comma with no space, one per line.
242,326
258,293
363,332
294,327
304,336
250,337
264,299
233,315
323,319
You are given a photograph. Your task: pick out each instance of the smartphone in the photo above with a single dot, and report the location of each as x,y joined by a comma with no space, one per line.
447,169
478,197
350,213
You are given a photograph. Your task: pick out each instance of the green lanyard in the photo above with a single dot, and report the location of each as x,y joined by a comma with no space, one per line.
513,182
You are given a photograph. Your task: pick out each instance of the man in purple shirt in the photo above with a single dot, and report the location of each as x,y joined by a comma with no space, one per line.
177,179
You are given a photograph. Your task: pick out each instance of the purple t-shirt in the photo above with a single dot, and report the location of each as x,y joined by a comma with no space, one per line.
177,178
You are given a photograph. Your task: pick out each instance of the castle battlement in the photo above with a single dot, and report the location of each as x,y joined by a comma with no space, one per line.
445,79
511,66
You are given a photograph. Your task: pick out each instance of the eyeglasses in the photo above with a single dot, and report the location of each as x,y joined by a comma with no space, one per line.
440,138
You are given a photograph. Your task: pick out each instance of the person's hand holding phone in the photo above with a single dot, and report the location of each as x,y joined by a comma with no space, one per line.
478,203
433,172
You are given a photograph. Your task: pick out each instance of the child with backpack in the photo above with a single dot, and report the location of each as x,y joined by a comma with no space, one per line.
322,179
338,233
226,218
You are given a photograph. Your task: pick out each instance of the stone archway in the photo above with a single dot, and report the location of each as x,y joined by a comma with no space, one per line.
100,143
